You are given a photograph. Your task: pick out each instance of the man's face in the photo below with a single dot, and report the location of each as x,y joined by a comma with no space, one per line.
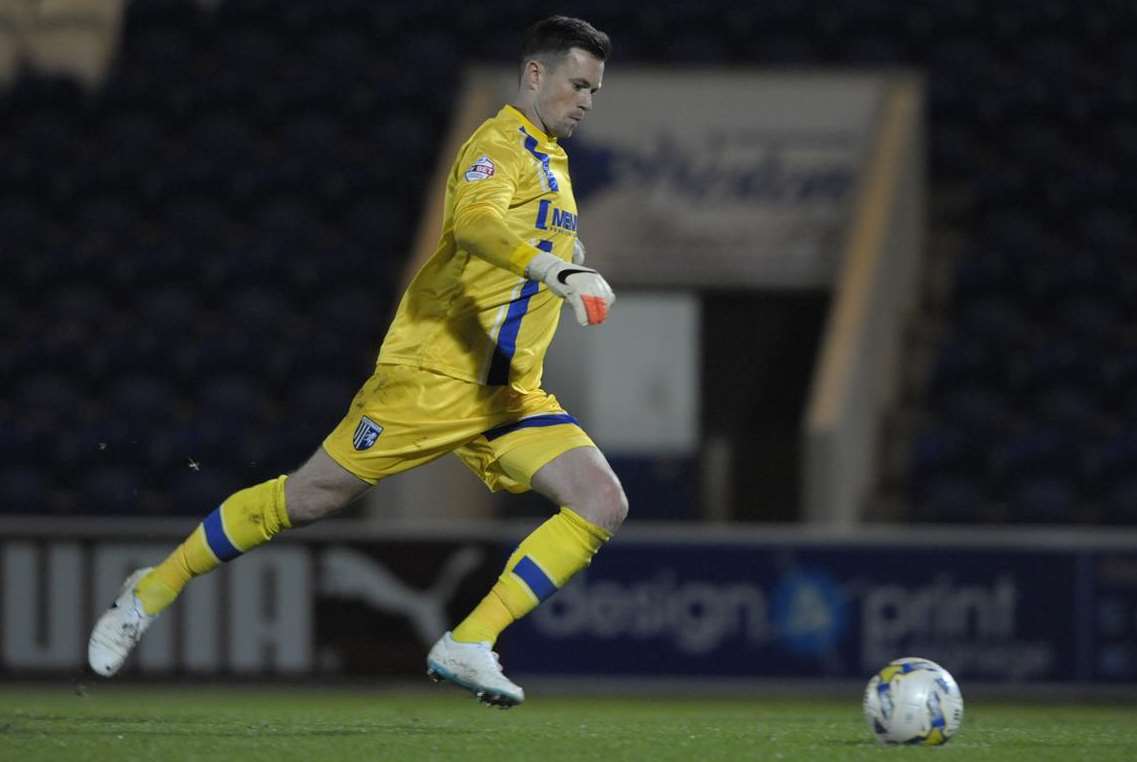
565,89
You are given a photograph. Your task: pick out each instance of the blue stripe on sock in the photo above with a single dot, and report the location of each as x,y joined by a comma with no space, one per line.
536,579
217,539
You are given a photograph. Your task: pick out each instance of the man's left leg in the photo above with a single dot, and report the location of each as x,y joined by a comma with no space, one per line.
593,506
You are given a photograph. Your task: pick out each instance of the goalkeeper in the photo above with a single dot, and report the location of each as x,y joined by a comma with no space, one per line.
459,371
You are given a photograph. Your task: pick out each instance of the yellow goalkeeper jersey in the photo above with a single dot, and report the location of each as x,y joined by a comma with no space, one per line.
470,313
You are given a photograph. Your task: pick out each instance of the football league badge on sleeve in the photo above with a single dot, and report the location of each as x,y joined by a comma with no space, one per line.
482,169
366,433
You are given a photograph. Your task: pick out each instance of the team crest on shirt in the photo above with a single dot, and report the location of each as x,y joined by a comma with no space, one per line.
482,169
366,433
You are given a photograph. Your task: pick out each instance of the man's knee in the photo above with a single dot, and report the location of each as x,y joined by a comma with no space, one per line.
307,500
604,503
319,488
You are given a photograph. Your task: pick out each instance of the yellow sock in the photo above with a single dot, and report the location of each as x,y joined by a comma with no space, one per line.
541,565
248,518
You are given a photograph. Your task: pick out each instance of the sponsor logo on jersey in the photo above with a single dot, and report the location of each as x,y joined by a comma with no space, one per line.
482,169
564,219
366,433
551,216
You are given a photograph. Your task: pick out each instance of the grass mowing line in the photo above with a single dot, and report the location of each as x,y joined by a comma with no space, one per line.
117,721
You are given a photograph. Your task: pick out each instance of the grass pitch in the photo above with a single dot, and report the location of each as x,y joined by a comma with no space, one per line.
117,721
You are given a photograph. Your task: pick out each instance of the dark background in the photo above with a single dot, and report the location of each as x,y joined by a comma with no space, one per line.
199,258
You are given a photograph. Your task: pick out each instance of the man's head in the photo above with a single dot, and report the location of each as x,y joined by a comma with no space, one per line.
562,65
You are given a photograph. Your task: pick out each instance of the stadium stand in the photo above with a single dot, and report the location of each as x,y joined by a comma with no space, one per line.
207,246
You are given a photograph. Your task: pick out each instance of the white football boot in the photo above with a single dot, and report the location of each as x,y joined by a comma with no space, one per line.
475,667
119,629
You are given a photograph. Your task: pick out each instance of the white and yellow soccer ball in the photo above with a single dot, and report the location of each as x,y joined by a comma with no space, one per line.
913,701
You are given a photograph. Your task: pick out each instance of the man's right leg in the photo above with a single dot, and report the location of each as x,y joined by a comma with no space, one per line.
245,520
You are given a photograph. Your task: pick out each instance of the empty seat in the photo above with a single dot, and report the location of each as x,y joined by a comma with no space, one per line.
315,404
108,215
143,397
234,398
963,360
197,492
1120,505
943,450
23,222
1060,363
170,309
25,489
110,490
954,498
981,410
995,321
1033,453
54,392
1044,500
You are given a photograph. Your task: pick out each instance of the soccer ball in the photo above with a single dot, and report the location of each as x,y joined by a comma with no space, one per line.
913,701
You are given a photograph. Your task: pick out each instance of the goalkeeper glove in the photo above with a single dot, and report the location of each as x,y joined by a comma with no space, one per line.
582,287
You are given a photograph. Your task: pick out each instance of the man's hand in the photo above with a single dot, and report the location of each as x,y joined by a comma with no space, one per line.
577,252
582,287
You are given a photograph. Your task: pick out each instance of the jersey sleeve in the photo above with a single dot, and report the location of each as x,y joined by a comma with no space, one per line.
486,182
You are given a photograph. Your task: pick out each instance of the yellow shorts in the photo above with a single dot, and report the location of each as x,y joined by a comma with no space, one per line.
403,417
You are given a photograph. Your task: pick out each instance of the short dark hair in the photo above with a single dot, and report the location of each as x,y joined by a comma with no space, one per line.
557,34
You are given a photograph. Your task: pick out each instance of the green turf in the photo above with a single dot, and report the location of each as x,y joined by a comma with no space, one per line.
117,721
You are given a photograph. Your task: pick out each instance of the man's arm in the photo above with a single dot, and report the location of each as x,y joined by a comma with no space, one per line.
482,196
484,233
481,230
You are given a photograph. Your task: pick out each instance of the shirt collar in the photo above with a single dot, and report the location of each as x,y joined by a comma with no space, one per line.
536,131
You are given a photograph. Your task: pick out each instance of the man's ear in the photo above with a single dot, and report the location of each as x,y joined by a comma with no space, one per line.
532,74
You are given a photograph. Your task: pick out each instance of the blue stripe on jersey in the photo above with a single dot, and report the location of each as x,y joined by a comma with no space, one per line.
543,214
531,574
552,419
507,336
531,147
510,327
216,538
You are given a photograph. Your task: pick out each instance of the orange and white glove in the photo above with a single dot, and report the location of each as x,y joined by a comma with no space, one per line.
585,289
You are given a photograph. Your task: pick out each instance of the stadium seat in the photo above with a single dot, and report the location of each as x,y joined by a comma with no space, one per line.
1120,506
110,490
316,403
1037,369
197,491
963,360
1073,409
945,449
147,400
24,489
23,223
1028,456
981,410
995,321
951,498
230,397
1044,500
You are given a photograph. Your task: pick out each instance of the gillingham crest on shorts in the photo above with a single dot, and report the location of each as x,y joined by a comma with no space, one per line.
482,169
366,433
